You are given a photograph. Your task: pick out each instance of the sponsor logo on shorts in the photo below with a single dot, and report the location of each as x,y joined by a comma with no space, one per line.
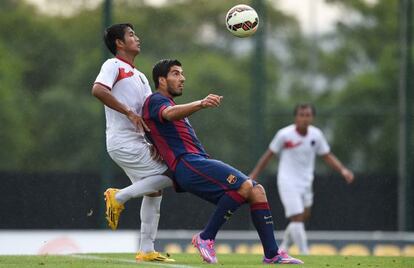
231,179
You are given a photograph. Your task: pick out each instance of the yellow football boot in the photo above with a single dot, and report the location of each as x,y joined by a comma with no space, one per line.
153,256
113,208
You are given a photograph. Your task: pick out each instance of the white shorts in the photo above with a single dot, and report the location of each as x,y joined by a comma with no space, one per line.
136,161
295,199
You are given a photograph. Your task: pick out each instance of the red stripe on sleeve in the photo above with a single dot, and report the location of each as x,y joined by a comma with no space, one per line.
160,113
98,83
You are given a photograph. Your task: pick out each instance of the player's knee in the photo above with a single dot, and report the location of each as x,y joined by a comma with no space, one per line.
245,189
259,189
297,218
307,214
259,193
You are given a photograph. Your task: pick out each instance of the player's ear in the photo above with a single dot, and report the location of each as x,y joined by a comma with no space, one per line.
162,81
119,43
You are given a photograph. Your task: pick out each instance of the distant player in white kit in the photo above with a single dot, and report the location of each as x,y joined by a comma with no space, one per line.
297,146
123,90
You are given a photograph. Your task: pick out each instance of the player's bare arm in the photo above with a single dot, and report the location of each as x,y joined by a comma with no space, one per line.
332,161
105,96
261,164
181,111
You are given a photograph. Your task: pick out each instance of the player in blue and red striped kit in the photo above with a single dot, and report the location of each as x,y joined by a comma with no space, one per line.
195,172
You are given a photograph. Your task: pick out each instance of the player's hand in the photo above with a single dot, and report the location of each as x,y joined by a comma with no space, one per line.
212,100
348,175
155,155
137,121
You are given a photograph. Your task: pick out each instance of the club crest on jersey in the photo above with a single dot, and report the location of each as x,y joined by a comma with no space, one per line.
231,179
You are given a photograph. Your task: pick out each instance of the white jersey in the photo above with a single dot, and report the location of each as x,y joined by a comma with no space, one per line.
297,154
130,87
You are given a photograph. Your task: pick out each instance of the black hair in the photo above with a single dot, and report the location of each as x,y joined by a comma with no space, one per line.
113,32
301,106
162,68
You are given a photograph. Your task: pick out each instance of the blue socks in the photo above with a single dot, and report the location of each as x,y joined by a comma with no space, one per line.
261,218
226,206
263,221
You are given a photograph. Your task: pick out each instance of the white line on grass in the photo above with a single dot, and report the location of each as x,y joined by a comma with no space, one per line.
93,257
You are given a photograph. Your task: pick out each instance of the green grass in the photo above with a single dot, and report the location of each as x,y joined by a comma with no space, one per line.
193,260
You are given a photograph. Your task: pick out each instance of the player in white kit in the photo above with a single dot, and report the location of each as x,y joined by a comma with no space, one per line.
297,145
123,90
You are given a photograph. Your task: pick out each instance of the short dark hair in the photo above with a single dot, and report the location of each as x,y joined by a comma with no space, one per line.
162,68
301,106
113,32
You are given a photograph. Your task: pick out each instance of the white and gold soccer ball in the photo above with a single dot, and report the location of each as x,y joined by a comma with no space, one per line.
242,20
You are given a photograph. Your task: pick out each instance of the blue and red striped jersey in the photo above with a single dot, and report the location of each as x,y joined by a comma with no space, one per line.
173,139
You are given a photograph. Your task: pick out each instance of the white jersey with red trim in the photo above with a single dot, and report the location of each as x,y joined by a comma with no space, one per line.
297,154
130,87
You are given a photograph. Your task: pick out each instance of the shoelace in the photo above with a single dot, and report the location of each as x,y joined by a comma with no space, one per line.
283,254
210,245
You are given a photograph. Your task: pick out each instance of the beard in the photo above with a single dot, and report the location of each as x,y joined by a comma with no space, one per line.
174,93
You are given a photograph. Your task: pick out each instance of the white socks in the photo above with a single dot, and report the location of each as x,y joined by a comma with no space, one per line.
295,233
150,206
150,216
287,239
142,187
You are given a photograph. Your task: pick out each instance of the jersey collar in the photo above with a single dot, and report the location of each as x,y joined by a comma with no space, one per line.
157,92
300,134
121,59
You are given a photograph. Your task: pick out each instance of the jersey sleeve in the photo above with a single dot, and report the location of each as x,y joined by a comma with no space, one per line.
322,146
147,87
156,105
276,144
108,74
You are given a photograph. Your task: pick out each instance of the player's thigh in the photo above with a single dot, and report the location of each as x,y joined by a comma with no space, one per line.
307,197
208,178
137,163
292,200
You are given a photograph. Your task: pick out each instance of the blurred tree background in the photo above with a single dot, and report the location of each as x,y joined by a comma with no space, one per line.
50,122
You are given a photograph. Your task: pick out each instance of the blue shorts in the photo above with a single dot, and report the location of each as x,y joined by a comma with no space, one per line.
207,178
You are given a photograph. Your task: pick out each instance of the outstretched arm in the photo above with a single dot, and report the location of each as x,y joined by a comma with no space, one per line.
261,164
181,111
106,97
332,161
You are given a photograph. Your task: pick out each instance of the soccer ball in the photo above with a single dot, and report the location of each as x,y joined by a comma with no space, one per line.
242,20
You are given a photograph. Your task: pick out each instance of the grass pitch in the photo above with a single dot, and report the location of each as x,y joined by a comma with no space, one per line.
193,261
